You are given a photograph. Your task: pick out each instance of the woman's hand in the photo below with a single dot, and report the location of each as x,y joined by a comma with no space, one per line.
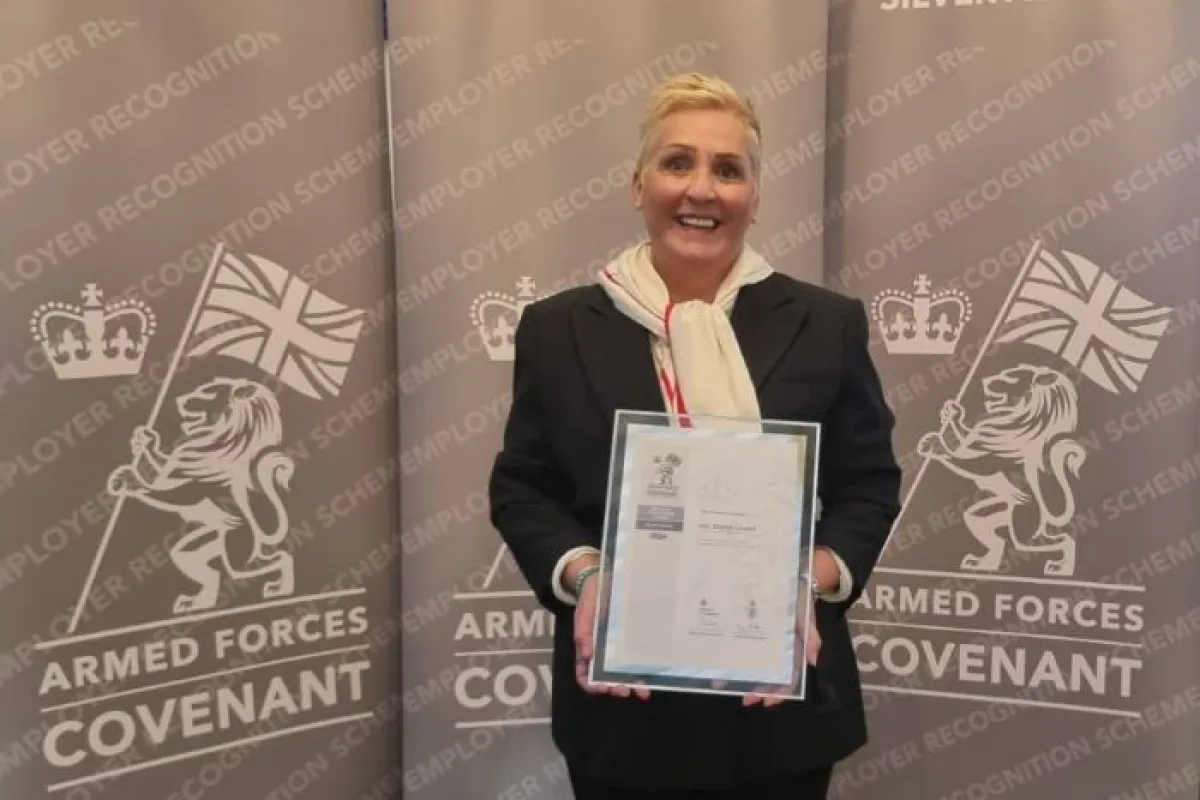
825,570
812,648
827,575
585,615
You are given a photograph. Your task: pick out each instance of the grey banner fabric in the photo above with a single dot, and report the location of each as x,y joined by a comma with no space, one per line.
259,272
514,147
1015,196
199,590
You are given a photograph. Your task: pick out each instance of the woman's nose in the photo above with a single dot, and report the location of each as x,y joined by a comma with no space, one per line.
700,187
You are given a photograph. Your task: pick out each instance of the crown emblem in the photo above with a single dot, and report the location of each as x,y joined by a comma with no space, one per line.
923,322
495,315
95,340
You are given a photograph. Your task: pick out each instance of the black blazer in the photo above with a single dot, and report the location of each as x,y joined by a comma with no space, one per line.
578,359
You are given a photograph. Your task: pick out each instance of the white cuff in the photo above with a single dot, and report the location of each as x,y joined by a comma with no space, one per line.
845,581
556,576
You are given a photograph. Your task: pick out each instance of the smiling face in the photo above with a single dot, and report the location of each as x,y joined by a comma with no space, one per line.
697,192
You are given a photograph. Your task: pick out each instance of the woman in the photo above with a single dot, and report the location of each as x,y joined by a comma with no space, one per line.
745,341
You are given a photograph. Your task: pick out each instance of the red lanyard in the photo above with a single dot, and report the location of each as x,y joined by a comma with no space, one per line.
674,396
671,391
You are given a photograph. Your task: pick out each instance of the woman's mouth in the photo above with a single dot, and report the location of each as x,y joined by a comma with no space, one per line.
698,223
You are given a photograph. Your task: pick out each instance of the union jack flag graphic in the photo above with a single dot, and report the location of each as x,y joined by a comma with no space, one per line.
261,314
1075,310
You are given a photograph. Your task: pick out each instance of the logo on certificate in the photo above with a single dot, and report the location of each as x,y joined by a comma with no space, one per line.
663,481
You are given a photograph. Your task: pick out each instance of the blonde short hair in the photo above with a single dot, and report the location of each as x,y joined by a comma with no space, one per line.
693,90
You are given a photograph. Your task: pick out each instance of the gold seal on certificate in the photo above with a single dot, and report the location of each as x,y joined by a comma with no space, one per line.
707,554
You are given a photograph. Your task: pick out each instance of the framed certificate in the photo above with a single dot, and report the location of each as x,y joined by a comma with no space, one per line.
707,555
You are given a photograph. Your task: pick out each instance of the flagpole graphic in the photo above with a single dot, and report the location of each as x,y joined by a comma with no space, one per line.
201,296
1074,310
256,312
1034,251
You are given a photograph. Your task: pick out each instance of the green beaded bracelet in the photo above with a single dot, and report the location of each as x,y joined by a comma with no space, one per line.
583,575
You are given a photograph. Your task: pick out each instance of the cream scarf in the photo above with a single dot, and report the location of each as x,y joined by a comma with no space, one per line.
700,366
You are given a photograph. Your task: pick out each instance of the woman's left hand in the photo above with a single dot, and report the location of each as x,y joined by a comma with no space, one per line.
812,649
825,570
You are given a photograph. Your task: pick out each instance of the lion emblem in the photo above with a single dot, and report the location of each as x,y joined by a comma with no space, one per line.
665,467
1017,454
231,430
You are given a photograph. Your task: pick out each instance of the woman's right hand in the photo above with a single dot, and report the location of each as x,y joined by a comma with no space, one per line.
585,615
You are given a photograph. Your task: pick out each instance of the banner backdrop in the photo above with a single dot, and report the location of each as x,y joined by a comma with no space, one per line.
1016,200
198,380
514,151
195,401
